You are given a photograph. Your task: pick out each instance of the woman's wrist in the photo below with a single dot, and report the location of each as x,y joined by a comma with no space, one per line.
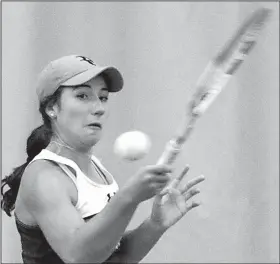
155,227
126,195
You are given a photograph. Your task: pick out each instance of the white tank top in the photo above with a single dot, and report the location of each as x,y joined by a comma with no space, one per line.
92,196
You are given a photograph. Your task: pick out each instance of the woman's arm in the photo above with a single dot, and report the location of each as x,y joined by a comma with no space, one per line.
168,208
73,239
136,244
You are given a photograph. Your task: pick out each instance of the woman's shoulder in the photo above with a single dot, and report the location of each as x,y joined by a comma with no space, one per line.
33,181
43,178
41,185
42,173
41,167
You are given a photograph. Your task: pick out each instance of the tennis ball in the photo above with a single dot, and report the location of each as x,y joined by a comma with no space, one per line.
132,145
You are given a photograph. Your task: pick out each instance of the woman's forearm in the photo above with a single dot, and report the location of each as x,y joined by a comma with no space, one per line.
137,243
95,241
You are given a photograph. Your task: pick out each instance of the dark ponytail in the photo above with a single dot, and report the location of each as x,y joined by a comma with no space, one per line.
39,139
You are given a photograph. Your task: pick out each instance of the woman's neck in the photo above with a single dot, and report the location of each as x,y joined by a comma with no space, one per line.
59,146
82,158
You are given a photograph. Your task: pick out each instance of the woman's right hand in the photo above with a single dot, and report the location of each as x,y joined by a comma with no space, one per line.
147,182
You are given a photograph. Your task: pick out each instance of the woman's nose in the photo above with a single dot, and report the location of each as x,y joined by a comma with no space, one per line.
99,108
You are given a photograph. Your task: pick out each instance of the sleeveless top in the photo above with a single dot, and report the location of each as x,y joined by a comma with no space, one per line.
92,198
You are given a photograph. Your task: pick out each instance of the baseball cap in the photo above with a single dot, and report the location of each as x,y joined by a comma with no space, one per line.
73,70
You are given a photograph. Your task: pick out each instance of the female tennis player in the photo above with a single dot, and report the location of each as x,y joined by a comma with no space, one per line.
67,206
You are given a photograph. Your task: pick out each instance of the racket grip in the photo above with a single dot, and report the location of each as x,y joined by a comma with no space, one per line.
172,149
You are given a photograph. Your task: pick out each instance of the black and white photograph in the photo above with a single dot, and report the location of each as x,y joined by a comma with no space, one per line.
140,132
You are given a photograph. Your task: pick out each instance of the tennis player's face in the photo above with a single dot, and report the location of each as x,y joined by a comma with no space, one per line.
81,115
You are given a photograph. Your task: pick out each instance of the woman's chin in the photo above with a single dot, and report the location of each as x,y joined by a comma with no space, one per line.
92,140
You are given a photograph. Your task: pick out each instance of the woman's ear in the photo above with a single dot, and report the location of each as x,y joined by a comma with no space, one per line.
51,111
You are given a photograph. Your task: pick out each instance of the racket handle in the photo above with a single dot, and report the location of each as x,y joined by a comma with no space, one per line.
172,149
175,145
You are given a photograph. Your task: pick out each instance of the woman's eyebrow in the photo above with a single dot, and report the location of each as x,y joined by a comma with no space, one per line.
104,89
88,86
81,86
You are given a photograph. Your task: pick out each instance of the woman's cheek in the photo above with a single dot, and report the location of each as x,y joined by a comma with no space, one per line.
75,114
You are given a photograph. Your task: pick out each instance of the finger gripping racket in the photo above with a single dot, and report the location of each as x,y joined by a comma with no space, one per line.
215,77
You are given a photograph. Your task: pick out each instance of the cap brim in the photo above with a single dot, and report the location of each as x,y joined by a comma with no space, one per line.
113,77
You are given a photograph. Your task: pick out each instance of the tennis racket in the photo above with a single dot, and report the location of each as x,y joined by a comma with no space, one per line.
215,77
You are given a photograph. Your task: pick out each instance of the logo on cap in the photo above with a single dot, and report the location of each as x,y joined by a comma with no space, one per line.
83,58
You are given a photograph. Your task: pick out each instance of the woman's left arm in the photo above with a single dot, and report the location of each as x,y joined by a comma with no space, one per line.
168,208
136,244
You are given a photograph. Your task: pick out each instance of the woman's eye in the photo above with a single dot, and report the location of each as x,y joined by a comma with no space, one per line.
103,99
82,96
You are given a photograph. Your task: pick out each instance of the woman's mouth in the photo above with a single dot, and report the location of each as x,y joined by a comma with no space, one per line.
95,126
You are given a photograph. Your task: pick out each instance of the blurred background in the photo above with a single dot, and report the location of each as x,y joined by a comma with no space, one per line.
161,48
